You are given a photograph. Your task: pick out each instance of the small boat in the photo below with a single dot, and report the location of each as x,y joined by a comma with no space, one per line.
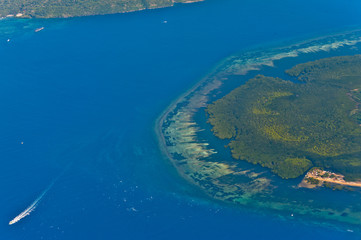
39,29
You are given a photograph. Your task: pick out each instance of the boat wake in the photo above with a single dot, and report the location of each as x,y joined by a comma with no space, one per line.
32,207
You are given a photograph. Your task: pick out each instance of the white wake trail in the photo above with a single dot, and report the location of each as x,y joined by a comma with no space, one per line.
32,207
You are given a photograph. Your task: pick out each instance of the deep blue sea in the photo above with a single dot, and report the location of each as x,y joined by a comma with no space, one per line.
79,102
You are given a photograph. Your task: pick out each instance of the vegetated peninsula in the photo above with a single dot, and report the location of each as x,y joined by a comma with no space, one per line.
292,126
71,8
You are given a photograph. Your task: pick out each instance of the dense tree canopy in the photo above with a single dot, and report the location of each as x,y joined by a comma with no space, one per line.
290,127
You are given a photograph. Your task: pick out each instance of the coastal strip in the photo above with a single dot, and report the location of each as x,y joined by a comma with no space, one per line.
57,9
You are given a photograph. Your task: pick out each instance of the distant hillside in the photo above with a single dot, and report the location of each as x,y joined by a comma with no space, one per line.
73,8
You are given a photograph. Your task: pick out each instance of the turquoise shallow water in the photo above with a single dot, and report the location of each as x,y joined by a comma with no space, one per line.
84,94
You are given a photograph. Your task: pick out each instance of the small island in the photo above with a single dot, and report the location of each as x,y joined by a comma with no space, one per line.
249,132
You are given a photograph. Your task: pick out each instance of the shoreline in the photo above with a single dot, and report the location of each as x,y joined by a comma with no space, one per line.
23,15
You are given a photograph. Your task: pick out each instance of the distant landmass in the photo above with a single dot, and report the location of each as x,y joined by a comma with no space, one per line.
71,8
291,126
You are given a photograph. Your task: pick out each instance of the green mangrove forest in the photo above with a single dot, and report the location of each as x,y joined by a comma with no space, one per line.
291,126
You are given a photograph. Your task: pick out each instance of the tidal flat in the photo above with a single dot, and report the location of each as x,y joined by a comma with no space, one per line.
200,158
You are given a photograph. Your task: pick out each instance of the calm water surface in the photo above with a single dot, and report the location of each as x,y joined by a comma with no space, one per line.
79,101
